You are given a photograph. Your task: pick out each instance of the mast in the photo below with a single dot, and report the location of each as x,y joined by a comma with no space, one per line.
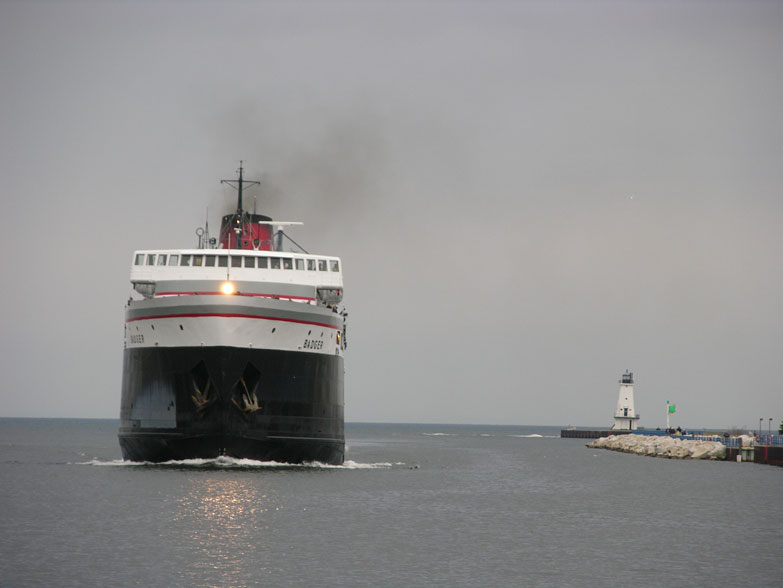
238,185
239,191
238,218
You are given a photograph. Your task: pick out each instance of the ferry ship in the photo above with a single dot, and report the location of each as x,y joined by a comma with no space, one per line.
234,348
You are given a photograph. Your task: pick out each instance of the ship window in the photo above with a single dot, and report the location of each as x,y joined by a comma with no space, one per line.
311,265
210,261
263,262
185,260
139,259
334,265
250,261
150,259
236,261
299,264
222,261
275,263
288,263
321,265
161,259
173,259
198,260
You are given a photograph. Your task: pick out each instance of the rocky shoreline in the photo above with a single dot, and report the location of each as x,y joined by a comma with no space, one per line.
662,446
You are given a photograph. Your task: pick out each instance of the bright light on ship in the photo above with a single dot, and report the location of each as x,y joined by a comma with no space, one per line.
227,288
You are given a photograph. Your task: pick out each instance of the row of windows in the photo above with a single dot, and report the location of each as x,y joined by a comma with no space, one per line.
250,261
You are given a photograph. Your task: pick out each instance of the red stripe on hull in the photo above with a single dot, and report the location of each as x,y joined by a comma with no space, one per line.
234,294
230,315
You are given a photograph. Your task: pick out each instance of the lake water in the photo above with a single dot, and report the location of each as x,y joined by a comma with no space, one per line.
415,505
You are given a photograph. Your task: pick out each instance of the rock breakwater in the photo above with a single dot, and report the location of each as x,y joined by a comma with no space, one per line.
664,446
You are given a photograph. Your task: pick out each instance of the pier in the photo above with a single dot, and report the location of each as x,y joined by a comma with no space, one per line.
766,449
763,449
589,434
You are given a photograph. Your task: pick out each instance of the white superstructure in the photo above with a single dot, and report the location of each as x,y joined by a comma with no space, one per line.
184,300
272,273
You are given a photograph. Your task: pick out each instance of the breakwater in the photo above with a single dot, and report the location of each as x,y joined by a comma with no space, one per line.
662,446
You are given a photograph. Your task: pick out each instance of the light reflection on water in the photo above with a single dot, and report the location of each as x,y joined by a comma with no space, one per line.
219,519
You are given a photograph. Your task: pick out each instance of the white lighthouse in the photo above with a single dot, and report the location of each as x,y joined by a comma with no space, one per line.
625,416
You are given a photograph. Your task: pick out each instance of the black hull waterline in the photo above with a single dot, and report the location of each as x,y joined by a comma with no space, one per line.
161,447
267,405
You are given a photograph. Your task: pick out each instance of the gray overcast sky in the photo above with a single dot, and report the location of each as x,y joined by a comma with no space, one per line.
528,197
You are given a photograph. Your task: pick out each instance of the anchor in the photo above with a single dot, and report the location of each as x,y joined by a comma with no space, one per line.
201,399
250,402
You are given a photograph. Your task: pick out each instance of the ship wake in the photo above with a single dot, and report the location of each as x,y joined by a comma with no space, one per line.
231,463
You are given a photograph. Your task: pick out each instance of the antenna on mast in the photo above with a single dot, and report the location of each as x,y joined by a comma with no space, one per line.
206,230
204,240
238,185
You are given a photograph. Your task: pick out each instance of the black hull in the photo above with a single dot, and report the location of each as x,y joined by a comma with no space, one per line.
268,405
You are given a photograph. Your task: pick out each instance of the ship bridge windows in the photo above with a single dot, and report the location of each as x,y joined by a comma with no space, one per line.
236,261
